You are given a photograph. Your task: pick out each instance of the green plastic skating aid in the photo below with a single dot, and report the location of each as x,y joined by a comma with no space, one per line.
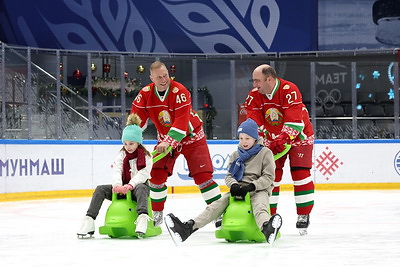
161,155
281,154
121,216
238,223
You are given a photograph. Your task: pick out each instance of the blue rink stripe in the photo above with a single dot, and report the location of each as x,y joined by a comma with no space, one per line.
153,142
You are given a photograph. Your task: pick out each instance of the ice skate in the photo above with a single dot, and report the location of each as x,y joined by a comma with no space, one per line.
303,221
157,218
178,231
271,228
87,228
141,224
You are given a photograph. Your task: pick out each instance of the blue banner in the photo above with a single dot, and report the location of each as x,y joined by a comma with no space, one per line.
162,26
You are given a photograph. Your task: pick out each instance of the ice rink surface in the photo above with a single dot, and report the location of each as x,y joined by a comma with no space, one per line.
348,228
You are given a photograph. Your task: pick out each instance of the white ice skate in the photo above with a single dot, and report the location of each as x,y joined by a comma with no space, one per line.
141,224
157,218
303,221
87,228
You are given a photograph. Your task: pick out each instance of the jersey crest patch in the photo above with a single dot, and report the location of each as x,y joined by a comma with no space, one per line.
274,117
286,86
164,118
146,89
175,90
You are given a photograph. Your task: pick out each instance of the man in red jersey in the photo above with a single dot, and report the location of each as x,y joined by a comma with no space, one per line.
276,106
168,105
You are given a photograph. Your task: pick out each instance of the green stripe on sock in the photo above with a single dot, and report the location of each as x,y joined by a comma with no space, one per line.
208,188
300,193
305,204
158,189
159,200
211,200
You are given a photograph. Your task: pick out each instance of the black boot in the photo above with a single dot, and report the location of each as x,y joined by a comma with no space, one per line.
178,230
271,228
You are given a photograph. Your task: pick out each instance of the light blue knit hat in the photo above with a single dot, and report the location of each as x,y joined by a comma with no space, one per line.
132,133
249,127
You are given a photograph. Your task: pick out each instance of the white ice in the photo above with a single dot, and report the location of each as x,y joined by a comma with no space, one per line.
348,228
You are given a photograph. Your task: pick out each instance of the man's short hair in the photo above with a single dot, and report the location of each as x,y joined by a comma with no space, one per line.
269,71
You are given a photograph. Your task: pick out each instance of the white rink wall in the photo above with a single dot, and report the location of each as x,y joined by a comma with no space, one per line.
51,165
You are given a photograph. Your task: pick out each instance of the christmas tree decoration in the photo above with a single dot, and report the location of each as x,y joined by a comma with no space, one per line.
93,67
106,68
77,74
140,69
172,69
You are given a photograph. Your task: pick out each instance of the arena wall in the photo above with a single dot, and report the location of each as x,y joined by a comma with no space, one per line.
55,169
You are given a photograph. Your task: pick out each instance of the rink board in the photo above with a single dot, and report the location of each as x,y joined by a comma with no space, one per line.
52,165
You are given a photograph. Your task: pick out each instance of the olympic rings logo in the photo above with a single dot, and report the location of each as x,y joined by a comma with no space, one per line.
328,99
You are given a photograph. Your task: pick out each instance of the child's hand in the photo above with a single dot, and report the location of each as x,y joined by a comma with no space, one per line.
241,191
235,190
122,189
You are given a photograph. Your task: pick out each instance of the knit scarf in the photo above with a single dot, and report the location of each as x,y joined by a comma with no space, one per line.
126,167
237,166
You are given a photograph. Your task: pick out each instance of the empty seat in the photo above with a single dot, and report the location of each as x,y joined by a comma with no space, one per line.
348,110
389,110
366,98
324,129
372,110
335,111
344,124
385,124
344,128
385,128
366,129
384,98
319,111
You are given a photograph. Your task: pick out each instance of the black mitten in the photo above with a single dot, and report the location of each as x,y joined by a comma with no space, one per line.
247,188
250,187
235,190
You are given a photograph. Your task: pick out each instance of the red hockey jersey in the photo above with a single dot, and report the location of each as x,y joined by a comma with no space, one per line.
172,113
281,111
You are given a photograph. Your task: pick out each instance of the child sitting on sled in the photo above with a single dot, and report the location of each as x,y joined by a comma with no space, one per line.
131,170
251,170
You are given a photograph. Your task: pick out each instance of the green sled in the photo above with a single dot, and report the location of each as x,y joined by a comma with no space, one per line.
121,216
238,223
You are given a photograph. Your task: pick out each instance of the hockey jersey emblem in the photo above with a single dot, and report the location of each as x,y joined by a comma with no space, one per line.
273,116
175,90
164,118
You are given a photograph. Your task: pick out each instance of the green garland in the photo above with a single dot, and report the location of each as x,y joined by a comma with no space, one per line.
108,87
